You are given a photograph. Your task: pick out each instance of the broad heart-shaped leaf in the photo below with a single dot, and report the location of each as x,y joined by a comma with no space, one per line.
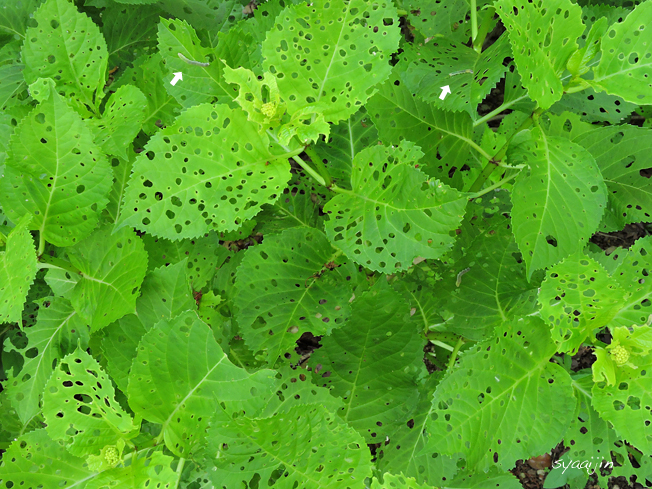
470,76
321,452
626,404
543,36
79,395
285,288
558,203
164,295
55,334
394,212
210,169
179,376
17,271
633,274
34,460
147,75
487,286
68,47
119,343
403,454
112,267
154,470
56,173
622,152
373,362
625,63
493,395
121,120
200,83
346,49
398,114
204,255
578,296
345,140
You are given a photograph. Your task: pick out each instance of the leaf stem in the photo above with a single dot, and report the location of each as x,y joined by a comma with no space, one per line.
319,164
483,30
182,462
47,261
474,23
453,358
494,186
309,170
498,110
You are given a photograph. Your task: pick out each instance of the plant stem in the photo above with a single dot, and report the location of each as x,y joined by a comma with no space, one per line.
309,170
458,345
182,462
483,30
41,244
47,261
494,186
401,13
498,110
474,22
319,164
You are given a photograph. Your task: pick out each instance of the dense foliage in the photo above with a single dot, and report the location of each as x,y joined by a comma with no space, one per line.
191,188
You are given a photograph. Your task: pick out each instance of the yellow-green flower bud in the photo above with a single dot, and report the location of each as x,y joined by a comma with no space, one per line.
620,355
111,455
268,109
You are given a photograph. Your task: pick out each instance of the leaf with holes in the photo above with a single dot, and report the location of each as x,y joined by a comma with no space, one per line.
558,203
119,343
372,363
470,76
68,47
130,32
324,452
441,18
145,470
12,83
187,183
331,52
472,402
393,202
200,83
543,36
179,376
112,267
633,273
35,459
623,154
294,282
56,173
578,296
627,57
56,333
17,271
80,408
121,121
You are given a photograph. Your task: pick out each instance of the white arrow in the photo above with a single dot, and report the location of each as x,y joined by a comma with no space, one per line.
177,76
444,91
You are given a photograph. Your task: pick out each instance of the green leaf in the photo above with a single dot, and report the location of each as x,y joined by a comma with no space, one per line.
543,37
180,188
595,106
471,404
113,267
632,273
284,288
55,334
345,140
12,83
372,362
147,74
15,15
79,399
626,404
165,294
347,48
391,481
441,18
625,61
154,470
204,255
68,47
121,120
121,173
621,153
324,451
17,272
398,114
35,459
178,377
487,286
578,296
62,180
130,32
119,342
470,75
393,200
200,83
558,203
